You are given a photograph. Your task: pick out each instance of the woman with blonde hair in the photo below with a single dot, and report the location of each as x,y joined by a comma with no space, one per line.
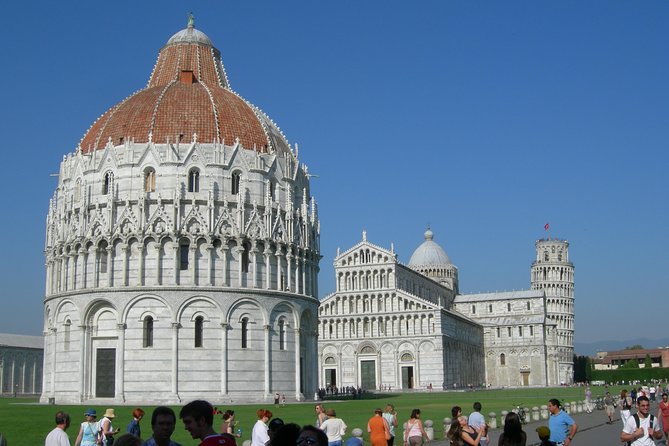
625,403
333,427
390,416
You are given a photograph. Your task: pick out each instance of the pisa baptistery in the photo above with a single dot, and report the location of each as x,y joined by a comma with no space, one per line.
182,248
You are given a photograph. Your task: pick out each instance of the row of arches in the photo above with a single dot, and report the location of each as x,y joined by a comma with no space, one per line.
365,256
560,306
555,289
373,303
171,261
377,326
365,280
561,273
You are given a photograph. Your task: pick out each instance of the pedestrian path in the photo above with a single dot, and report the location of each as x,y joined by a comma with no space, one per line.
592,431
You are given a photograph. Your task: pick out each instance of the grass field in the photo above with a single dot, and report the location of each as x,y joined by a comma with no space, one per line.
24,422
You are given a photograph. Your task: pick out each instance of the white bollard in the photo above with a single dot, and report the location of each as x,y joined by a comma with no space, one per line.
492,420
429,429
535,414
544,412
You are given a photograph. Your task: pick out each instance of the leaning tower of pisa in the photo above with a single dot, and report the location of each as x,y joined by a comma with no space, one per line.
553,273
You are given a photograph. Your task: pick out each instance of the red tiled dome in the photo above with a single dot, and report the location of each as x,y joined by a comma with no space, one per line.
188,93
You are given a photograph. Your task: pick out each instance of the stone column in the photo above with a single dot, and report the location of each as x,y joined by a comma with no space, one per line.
279,267
417,374
289,267
110,265
224,358
210,264
192,263
74,260
254,267
267,364
298,371
240,255
175,263
303,263
175,359
140,264
82,358
224,251
83,255
120,360
125,272
157,279
268,268
63,273
53,363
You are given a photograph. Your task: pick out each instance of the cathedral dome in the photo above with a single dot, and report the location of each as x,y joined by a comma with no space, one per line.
187,98
429,253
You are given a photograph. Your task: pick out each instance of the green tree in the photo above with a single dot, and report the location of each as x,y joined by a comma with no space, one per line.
634,347
647,362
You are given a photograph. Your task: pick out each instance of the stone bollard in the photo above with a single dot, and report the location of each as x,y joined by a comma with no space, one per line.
246,443
579,406
535,414
492,420
429,429
544,412
567,408
503,420
447,425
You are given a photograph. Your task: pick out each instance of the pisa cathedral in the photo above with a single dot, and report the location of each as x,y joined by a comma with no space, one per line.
390,325
182,259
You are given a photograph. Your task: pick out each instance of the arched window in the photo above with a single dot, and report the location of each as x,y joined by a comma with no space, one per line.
150,180
102,257
184,246
272,189
194,180
245,259
199,322
66,341
108,183
528,305
490,308
282,334
502,359
473,309
148,332
245,332
508,306
236,176
546,256
77,190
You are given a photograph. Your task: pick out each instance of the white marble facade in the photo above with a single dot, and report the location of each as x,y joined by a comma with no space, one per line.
183,268
406,327
21,359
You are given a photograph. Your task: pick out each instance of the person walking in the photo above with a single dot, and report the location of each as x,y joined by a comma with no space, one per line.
562,426
625,404
89,430
663,414
378,429
334,428
107,430
513,434
641,429
476,420
390,416
588,400
414,433
259,435
58,437
610,406
133,427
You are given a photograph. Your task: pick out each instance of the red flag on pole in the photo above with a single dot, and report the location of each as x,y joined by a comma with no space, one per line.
547,227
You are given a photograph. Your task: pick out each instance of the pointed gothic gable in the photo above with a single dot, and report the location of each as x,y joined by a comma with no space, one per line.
159,223
279,229
150,156
97,225
196,156
226,223
255,227
365,246
194,222
127,223
108,159
238,158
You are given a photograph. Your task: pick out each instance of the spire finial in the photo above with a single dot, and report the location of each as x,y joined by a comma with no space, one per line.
191,20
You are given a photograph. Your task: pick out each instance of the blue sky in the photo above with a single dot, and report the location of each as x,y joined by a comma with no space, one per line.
483,119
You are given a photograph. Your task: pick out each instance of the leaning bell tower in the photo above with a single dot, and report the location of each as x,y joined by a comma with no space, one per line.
553,273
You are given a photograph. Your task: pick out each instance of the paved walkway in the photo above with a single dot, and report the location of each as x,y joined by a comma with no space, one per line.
592,431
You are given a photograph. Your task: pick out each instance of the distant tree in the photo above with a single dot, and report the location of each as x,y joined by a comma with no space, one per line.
647,362
631,364
634,347
581,366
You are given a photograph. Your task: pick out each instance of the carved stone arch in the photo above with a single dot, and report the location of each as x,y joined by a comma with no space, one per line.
60,314
189,301
282,309
133,302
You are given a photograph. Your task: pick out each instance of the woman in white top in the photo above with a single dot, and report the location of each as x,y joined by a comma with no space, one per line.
413,430
390,416
333,427
259,435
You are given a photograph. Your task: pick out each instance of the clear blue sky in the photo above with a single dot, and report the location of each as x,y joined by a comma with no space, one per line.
483,119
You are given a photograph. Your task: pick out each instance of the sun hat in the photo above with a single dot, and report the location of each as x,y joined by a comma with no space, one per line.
543,431
109,413
91,413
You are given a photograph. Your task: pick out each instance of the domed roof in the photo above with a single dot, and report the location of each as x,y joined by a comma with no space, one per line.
187,97
429,253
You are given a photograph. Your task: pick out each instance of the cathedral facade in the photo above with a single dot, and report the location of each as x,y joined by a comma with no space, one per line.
182,248
388,325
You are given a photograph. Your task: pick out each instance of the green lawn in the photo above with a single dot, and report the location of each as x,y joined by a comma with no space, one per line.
24,422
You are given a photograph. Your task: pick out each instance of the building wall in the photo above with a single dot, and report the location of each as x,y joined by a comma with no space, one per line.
20,370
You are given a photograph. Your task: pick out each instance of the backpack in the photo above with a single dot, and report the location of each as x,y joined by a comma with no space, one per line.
626,405
638,424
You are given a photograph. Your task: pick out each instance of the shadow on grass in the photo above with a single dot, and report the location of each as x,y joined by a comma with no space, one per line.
364,396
